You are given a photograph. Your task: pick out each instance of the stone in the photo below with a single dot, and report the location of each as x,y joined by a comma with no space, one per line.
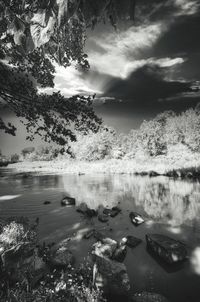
89,234
148,297
132,241
111,276
46,202
62,257
120,253
115,211
106,247
82,208
166,248
136,218
103,218
68,201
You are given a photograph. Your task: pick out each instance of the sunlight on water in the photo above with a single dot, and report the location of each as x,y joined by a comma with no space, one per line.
195,260
8,197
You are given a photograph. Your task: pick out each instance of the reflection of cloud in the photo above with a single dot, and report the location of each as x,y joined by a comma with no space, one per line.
8,197
195,260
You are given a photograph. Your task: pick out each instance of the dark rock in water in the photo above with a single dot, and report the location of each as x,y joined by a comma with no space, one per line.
148,297
82,208
91,213
115,211
68,201
99,236
168,249
136,218
89,234
103,218
132,241
111,276
120,253
62,257
107,211
112,212
46,202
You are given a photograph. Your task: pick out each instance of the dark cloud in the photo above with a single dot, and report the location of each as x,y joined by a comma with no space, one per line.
181,38
146,85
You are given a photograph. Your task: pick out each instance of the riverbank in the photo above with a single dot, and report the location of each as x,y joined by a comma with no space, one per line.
176,166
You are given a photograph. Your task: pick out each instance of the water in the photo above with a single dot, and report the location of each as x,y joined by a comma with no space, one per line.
170,207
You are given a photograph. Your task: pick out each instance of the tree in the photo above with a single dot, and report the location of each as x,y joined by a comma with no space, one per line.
33,35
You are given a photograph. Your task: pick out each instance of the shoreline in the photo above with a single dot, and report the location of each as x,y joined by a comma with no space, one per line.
154,167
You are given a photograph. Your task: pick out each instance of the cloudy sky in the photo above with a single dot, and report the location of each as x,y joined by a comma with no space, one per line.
142,68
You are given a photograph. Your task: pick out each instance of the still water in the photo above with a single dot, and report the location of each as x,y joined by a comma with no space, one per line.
170,207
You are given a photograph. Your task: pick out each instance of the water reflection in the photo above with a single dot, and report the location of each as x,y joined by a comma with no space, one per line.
166,200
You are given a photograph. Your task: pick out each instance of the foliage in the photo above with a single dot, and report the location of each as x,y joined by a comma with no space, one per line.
95,146
34,35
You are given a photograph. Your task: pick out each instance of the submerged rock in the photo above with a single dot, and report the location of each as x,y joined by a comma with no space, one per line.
120,253
168,249
136,218
112,212
132,241
46,202
148,297
83,209
103,217
68,201
89,234
111,276
62,257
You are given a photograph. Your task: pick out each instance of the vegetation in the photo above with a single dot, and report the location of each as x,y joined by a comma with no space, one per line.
25,272
33,36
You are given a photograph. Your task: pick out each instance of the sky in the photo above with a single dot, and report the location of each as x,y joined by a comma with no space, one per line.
143,68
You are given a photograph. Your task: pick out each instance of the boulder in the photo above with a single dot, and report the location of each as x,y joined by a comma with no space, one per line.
112,212
68,201
136,218
46,202
103,217
148,297
132,241
83,209
62,257
106,247
120,253
89,234
166,248
111,276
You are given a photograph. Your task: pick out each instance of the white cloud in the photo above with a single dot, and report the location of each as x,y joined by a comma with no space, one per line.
122,49
187,7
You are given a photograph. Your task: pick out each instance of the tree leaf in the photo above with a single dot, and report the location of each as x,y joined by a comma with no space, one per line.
42,27
17,28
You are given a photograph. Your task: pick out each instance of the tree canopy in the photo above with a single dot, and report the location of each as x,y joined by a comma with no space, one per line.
33,35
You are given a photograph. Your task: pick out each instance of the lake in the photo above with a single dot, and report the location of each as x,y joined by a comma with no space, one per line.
170,207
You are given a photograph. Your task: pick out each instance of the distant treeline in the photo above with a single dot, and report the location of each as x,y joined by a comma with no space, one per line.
167,131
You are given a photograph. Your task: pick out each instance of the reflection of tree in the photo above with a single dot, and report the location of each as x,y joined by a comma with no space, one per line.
169,201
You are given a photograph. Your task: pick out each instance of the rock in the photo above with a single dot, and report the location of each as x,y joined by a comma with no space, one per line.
168,249
82,208
120,253
46,202
106,247
112,212
91,213
111,276
136,218
89,234
62,257
148,297
115,211
103,218
68,201
132,241
99,236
